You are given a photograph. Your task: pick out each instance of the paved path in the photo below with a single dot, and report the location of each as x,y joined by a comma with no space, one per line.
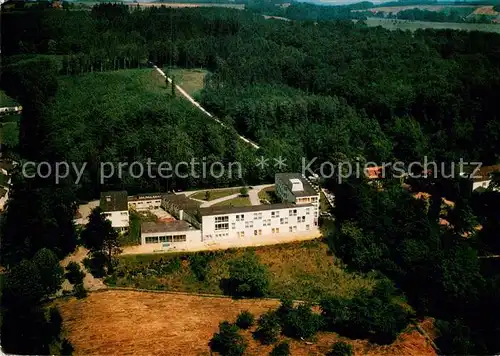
253,193
11,109
89,281
195,103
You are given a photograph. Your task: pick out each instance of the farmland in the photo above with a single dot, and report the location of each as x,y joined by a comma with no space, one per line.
129,322
299,270
391,24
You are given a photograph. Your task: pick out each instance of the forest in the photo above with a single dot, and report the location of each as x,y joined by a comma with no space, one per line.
335,90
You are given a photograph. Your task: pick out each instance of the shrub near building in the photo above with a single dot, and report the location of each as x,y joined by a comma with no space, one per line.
247,277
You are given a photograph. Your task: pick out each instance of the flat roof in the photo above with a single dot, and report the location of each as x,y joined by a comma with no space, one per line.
291,177
182,202
160,227
114,201
146,196
222,210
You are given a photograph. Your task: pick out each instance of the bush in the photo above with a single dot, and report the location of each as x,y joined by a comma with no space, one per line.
245,320
96,264
268,328
340,348
375,317
281,349
74,274
199,264
247,277
228,341
80,291
66,348
301,322
244,192
55,322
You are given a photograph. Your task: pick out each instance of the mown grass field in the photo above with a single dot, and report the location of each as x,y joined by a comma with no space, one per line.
215,194
301,270
139,323
391,24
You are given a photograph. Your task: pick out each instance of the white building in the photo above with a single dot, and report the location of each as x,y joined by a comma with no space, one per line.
295,188
483,177
115,207
143,202
163,235
253,221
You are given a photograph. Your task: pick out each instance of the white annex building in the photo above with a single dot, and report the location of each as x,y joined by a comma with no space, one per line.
115,207
253,221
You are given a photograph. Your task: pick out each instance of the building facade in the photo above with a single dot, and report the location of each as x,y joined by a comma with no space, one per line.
115,207
296,189
143,202
253,221
160,236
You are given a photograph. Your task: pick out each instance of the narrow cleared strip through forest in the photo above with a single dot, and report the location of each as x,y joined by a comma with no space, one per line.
195,103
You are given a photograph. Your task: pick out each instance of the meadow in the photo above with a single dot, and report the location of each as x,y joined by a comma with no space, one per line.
301,270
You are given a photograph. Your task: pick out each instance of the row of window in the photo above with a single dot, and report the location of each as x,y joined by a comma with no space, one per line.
221,219
167,238
257,216
223,226
275,230
123,213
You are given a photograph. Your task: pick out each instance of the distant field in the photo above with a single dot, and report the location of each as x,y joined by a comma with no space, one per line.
301,270
415,25
396,9
486,10
137,323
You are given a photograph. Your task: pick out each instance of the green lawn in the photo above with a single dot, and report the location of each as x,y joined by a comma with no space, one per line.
415,25
269,194
191,80
239,201
303,270
215,194
6,100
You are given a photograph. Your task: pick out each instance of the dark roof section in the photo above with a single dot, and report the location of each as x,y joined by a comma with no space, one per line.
161,227
485,173
182,202
308,188
222,210
147,196
114,201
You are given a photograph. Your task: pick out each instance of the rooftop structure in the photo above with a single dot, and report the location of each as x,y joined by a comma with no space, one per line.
114,201
297,184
